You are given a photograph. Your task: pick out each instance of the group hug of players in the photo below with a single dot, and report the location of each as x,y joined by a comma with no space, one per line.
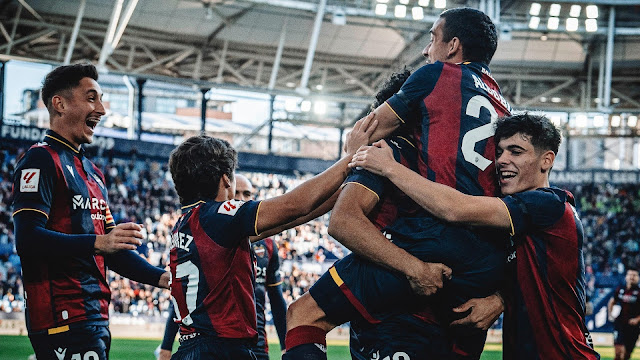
443,197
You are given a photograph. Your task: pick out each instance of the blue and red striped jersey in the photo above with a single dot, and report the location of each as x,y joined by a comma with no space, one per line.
56,180
450,108
212,269
545,312
392,203
267,274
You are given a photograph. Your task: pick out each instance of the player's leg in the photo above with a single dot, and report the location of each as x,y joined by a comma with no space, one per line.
618,343
631,333
347,291
202,347
90,342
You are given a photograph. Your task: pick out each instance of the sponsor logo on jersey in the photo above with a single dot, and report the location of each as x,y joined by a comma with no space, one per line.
511,257
230,207
98,180
60,352
81,202
29,180
71,171
181,241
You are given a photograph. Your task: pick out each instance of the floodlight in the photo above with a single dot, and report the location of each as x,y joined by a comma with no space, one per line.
305,105
575,11
632,121
554,10
581,121
534,22
381,9
400,11
290,105
424,3
535,9
440,4
555,99
592,11
320,107
417,12
403,2
553,23
598,121
591,25
615,120
572,24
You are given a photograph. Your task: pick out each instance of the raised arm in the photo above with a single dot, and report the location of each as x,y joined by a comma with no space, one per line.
442,201
349,225
312,193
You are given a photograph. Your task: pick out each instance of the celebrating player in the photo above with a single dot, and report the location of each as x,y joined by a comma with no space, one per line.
545,291
267,281
447,106
626,327
65,234
210,261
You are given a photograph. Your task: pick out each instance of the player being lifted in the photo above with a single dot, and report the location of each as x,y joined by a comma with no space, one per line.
626,326
210,260
447,106
544,294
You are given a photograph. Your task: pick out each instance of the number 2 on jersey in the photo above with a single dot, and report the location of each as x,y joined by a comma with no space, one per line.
472,137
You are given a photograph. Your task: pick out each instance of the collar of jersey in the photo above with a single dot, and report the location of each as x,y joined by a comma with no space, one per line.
59,140
191,206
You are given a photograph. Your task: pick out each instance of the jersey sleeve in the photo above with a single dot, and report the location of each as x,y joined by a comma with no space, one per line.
533,210
412,93
231,221
273,269
372,182
34,182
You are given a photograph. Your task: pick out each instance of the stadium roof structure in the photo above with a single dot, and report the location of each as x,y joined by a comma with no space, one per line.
337,50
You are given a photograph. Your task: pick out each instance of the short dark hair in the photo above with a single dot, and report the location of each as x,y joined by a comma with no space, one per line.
633,269
64,78
391,86
197,165
544,135
476,32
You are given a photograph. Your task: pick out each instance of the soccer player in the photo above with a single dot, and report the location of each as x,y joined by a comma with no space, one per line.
211,263
626,327
267,282
447,106
65,234
545,288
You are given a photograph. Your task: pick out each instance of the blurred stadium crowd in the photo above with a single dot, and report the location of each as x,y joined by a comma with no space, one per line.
141,191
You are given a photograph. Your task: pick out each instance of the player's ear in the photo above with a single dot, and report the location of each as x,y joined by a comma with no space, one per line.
58,103
226,181
454,46
547,161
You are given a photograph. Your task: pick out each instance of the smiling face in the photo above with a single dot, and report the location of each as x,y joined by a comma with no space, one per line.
79,112
520,166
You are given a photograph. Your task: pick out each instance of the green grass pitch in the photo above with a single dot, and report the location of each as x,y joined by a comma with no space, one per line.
19,348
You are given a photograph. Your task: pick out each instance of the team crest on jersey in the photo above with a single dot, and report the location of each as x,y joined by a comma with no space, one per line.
29,180
259,250
230,207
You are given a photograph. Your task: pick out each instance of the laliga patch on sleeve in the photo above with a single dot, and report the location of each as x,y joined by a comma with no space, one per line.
230,207
29,180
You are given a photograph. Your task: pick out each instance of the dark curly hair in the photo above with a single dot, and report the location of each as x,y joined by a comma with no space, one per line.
544,135
390,87
61,80
476,32
197,166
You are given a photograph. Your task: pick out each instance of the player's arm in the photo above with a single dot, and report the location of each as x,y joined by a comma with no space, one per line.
319,211
312,193
131,265
388,121
442,201
278,310
349,225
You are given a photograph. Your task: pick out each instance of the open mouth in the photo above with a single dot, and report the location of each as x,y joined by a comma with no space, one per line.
92,123
505,175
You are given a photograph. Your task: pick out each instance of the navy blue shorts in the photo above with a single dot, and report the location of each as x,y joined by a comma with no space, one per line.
355,287
204,347
626,335
81,341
